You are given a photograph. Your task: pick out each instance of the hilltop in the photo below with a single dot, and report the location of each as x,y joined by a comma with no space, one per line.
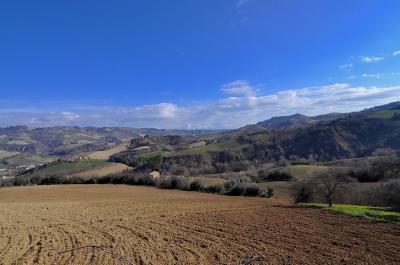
290,138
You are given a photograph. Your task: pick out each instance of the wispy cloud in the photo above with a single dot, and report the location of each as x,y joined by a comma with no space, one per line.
241,3
346,67
245,104
396,53
239,87
372,75
371,59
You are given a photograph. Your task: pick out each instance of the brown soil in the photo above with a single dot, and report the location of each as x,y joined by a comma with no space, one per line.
153,226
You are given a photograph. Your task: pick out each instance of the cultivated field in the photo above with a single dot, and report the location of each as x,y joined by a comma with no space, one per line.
153,226
107,169
104,155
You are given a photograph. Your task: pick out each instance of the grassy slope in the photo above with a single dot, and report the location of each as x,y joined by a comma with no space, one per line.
25,160
66,168
105,155
372,213
383,114
5,154
109,168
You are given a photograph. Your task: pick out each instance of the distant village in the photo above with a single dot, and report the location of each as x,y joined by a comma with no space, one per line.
12,170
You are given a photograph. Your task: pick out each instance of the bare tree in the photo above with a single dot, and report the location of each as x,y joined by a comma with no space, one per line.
330,182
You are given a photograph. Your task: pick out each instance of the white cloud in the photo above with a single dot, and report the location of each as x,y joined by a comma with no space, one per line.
372,75
245,106
396,53
346,67
70,115
371,59
162,110
239,87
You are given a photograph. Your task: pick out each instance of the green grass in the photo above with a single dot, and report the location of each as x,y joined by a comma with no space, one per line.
230,143
388,114
151,155
261,137
25,160
66,168
300,172
5,154
370,212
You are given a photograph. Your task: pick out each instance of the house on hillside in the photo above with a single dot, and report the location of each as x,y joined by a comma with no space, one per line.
155,174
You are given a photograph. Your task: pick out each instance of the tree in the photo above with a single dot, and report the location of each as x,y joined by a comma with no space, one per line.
330,182
302,191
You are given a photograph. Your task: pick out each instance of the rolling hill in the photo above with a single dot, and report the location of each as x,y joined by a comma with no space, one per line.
21,145
297,137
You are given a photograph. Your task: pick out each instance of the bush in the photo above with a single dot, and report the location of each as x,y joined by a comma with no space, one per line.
217,188
173,182
275,176
390,192
252,190
301,192
270,192
196,185
237,190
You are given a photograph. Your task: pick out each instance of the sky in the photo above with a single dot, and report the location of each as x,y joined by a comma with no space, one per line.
195,63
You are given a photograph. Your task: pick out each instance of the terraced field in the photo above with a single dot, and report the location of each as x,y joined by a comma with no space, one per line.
40,224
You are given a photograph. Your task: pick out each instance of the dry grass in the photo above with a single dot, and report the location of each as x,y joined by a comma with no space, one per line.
152,226
105,155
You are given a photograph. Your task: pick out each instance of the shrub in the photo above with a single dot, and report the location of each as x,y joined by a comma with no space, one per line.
302,192
275,176
390,192
173,182
237,190
252,190
217,188
196,185
270,192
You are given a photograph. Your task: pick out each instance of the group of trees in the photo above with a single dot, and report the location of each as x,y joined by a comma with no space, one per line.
323,186
242,186
336,185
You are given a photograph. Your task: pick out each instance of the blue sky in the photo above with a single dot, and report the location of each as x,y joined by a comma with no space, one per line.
194,64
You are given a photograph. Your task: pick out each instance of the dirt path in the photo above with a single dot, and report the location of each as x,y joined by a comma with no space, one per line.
154,226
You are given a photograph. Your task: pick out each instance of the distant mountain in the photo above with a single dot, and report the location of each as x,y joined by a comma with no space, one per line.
296,137
21,145
298,120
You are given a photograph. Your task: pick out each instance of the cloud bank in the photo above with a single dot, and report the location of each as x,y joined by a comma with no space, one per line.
243,104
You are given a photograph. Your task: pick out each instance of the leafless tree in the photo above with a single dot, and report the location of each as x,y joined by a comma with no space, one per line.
330,182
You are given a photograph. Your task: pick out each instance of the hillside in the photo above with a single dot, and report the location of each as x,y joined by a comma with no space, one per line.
350,135
24,146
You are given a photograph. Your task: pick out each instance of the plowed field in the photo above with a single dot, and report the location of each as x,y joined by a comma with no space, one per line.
153,226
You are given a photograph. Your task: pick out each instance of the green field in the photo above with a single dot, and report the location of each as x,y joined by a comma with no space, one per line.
68,168
300,172
5,154
151,155
388,114
222,144
372,213
25,160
